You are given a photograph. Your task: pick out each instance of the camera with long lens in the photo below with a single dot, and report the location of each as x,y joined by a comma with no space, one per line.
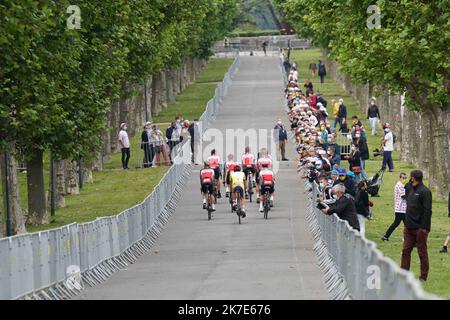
377,153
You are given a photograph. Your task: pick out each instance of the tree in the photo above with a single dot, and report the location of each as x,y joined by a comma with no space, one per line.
408,54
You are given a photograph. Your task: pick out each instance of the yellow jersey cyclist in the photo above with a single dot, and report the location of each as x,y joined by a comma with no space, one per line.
227,169
238,180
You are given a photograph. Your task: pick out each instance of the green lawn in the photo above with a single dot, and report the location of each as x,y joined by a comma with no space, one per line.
191,102
115,190
439,277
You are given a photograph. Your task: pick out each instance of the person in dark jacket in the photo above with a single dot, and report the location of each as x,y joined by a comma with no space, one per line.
348,182
281,138
373,115
322,71
192,133
362,205
342,114
149,149
344,207
417,223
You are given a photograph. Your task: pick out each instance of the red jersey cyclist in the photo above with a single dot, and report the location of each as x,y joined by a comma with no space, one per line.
248,165
264,157
207,182
214,163
267,181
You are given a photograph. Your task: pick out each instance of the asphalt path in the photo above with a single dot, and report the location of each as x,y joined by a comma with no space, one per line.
219,259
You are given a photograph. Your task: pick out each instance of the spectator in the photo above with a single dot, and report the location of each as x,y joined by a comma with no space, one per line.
309,87
361,142
185,131
356,123
332,156
399,206
444,247
322,71
388,144
124,144
264,46
281,138
313,69
161,151
373,115
194,132
362,205
147,146
344,207
417,223
173,136
335,106
342,114
332,143
348,182
449,204
354,158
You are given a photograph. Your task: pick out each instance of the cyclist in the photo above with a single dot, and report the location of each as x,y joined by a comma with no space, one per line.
207,182
264,157
238,180
267,180
214,163
248,165
229,167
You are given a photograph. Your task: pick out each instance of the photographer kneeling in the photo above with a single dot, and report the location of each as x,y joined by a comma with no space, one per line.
344,206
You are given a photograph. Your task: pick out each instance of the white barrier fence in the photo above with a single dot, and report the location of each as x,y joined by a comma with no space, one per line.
55,264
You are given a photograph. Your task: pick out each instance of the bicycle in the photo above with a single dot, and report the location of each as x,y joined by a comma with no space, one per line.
250,186
266,204
209,204
238,207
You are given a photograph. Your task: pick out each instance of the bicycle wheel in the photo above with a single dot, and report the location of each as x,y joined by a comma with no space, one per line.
266,206
250,187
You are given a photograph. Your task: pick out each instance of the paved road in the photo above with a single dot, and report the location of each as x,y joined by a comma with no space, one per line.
220,259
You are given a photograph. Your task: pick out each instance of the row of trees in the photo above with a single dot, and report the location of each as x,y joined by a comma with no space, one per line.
406,53
57,83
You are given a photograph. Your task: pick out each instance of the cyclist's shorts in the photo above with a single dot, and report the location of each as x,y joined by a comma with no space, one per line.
239,189
217,173
246,170
270,188
207,187
228,178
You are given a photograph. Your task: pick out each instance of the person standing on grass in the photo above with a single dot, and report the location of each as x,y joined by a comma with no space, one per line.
373,115
322,71
417,223
388,143
342,114
124,144
399,205
313,69
147,146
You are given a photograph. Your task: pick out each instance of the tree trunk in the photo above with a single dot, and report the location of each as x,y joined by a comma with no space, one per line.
169,92
60,185
88,176
37,206
16,211
441,155
163,90
155,108
71,177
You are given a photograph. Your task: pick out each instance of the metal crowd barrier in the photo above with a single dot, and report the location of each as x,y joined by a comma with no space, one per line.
56,264
353,266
